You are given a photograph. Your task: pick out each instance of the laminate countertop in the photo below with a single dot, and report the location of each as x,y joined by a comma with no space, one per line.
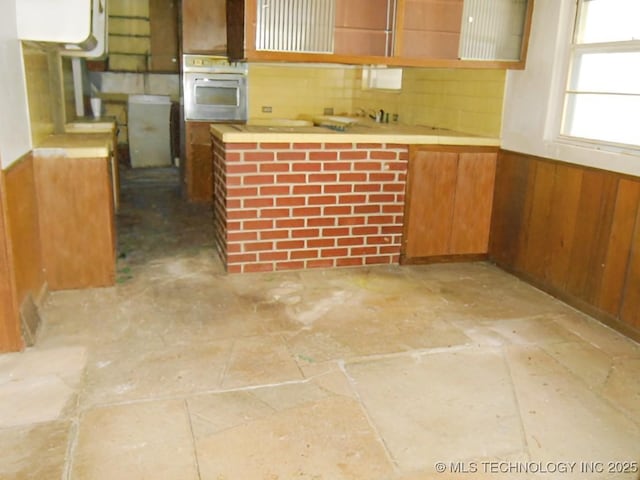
357,133
77,145
82,139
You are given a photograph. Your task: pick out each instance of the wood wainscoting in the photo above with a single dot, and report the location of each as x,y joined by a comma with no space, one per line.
21,268
572,231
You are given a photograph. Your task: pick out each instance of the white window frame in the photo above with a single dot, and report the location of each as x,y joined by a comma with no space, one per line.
561,82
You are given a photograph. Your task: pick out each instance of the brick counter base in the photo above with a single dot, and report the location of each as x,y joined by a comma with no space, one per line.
286,206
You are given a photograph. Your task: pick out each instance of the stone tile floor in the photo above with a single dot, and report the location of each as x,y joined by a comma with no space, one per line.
389,373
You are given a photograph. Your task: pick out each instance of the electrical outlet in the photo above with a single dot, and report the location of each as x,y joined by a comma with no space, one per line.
328,110
266,109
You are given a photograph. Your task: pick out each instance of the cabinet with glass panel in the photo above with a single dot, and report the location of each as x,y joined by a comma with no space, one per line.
441,33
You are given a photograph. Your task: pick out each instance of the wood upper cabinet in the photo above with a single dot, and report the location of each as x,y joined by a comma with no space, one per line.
163,16
429,29
363,27
429,33
235,11
204,26
448,203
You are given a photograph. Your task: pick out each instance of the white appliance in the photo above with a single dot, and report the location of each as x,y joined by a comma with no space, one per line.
149,130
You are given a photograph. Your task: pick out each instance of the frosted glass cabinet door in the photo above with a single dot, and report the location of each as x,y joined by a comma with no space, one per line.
492,29
295,26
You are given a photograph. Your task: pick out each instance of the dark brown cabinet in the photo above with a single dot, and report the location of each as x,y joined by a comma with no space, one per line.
204,26
449,201
163,17
197,170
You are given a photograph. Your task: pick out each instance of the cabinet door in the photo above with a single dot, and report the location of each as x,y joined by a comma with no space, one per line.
429,29
449,202
163,17
474,199
363,27
204,26
198,162
430,203
493,30
235,29
302,27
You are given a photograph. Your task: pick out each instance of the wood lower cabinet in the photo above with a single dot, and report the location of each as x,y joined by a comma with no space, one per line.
448,204
197,171
77,223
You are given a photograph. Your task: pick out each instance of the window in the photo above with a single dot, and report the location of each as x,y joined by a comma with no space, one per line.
602,98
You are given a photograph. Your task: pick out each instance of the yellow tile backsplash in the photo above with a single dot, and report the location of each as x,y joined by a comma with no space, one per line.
468,100
291,90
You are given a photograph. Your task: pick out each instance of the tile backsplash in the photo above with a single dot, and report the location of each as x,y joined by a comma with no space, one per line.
293,89
467,100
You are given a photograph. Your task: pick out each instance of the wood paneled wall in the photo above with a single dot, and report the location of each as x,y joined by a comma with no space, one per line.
572,231
21,269
10,338
23,228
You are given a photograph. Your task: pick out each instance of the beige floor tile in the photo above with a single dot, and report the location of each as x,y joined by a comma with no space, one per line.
622,387
140,441
322,438
441,407
599,335
39,385
479,290
146,369
66,363
566,421
215,413
36,452
540,329
584,360
260,361
372,373
358,331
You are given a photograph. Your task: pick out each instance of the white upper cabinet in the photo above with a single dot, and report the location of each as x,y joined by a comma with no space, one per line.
79,26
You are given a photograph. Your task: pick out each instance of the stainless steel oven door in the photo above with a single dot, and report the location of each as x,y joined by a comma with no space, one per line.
215,97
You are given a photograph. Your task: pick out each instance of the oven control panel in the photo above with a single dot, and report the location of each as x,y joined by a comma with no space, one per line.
210,64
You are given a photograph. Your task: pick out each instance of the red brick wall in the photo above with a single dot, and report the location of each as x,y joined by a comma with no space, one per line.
284,206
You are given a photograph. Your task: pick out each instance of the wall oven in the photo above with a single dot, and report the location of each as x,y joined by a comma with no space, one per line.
213,89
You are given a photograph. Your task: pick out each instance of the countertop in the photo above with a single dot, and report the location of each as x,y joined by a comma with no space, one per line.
83,138
78,145
365,133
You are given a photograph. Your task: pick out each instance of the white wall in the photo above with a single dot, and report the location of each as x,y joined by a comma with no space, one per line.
15,135
531,95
